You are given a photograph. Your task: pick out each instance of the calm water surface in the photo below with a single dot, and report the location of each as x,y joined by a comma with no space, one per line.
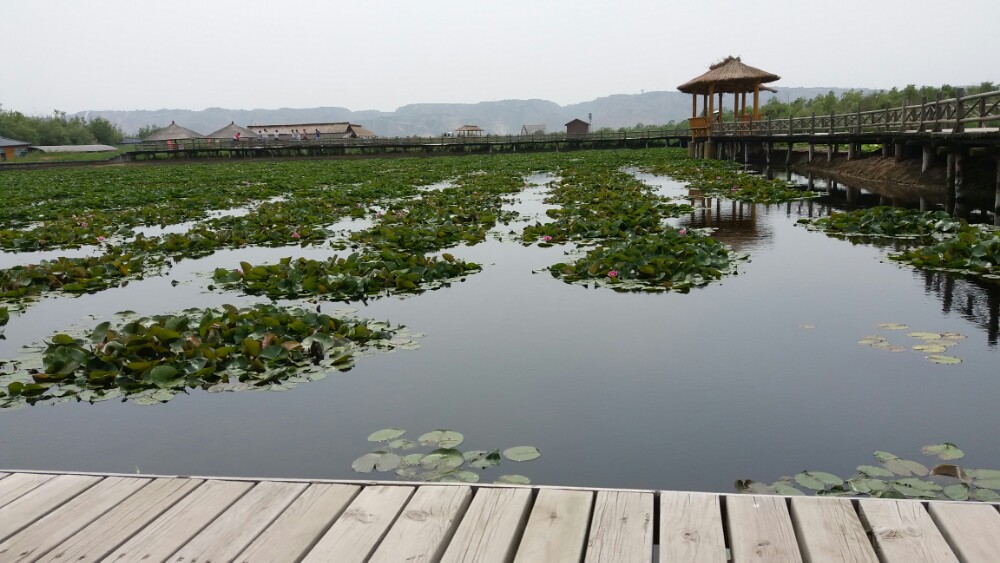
625,390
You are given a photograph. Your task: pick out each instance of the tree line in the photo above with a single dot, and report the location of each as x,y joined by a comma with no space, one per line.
58,129
865,100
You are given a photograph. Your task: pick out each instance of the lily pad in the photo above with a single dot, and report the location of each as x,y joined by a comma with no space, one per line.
442,438
944,360
945,451
903,467
818,480
986,495
442,459
379,460
522,453
893,326
513,480
958,491
386,434
930,348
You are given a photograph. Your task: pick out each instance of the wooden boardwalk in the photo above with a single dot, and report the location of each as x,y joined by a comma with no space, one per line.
89,517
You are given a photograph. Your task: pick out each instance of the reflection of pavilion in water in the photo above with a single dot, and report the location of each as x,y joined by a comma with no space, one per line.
735,222
976,302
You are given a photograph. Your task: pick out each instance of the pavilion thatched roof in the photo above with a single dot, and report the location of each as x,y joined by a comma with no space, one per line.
228,131
728,75
174,132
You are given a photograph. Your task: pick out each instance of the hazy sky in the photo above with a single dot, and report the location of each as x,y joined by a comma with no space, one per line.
77,55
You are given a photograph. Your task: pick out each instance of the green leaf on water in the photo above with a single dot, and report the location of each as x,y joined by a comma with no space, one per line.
903,467
522,453
386,434
913,487
958,491
402,444
817,480
442,459
164,376
442,438
786,489
893,326
985,495
379,460
946,451
874,471
945,360
988,483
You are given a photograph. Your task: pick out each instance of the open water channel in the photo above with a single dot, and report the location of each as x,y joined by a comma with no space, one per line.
758,376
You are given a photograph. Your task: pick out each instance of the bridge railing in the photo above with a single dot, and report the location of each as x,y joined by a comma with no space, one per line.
246,143
954,115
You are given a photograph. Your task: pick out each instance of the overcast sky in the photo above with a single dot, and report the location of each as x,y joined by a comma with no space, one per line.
77,55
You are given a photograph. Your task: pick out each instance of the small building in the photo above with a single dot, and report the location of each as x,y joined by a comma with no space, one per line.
469,131
338,130
577,127
230,131
174,132
49,149
12,148
532,129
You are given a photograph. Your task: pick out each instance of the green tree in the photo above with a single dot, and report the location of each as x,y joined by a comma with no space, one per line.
147,130
104,131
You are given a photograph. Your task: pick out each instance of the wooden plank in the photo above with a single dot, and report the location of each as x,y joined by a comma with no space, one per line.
356,533
106,533
422,531
168,533
622,528
38,502
63,522
760,529
20,483
301,525
972,530
691,528
904,532
557,527
241,523
829,530
491,527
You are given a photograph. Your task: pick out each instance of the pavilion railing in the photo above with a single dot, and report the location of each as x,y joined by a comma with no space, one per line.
961,114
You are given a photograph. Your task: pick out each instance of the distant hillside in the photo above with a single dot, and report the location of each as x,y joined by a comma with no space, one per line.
499,117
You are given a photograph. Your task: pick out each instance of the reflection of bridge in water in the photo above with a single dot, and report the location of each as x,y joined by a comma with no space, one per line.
976,302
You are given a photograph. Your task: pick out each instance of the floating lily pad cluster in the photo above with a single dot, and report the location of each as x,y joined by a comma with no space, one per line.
72,275
885,221
725,179
344,278
932,344
973,250
149,360
667,261
894,477
444,461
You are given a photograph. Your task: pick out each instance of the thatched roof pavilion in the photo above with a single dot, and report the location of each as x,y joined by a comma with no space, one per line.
174,132
469,131
228,131
729,76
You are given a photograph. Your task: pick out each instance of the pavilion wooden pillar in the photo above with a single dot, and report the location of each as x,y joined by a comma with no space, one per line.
704,102
709,148
743,104
736,107
756,102
720,107
694,105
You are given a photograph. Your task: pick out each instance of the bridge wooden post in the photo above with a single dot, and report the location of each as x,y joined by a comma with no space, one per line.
902,117
928,157
923,114
900,150
812,150
857,120
788,154
885,118
851,151
937,114
925,205
959,111
829,152
961,195
982,112
769,148
996,202
950,185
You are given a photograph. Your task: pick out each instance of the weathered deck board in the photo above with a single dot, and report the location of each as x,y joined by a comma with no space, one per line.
904,532
168,533
64,521
760,529
301,525
492,526
972,530
358,531
87,518
241,523
18,484
105,534
557,528
421,533
34,504
622,528
830,530
691,528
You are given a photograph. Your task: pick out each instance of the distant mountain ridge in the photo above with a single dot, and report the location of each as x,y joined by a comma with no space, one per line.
428,119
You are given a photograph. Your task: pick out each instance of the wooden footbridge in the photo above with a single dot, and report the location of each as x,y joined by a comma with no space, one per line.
93,517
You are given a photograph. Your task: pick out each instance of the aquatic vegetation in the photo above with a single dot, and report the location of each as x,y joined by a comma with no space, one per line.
932,343
972,250
149,360
356,276
667,261
445,462
885,222
71,275
725,179
894,477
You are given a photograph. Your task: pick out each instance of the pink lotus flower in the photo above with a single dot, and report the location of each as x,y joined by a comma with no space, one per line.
718,177
296,235
735,188
613,274
379,215
238,271
683,231
41,241
546,238
83,224
100,239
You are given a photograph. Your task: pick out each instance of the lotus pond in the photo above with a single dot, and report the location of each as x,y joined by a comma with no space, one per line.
617,318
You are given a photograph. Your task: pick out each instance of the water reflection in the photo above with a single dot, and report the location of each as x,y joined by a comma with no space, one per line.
975,301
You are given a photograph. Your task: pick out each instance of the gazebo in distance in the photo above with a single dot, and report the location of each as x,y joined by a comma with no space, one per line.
730,76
